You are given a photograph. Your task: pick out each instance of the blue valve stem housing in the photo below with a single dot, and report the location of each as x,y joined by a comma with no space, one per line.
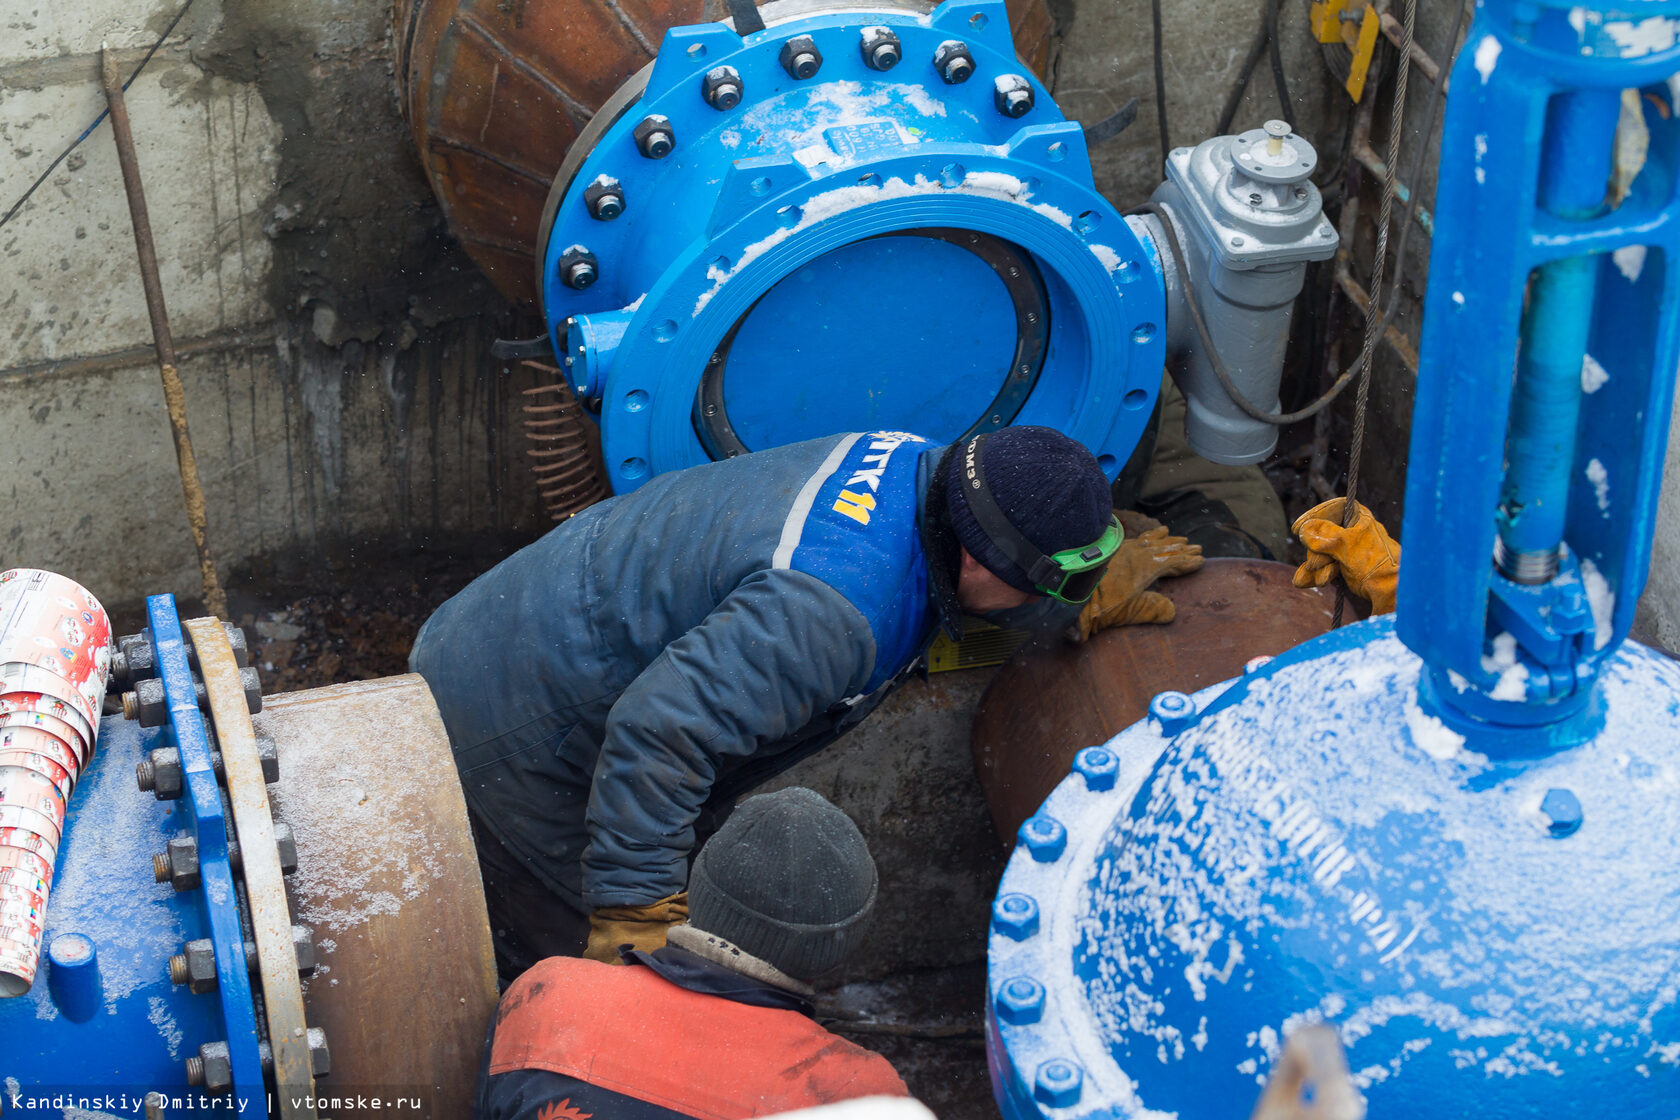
1546,401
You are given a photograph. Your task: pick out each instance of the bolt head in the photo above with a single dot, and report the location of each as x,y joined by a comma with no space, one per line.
881,48
1015,916
654,137
1099,768
1020,1001
1013,95
1562,810
801,58
1044,837
1058,1083
721,87
183,863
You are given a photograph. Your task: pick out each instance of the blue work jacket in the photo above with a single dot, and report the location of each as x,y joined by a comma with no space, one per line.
685,640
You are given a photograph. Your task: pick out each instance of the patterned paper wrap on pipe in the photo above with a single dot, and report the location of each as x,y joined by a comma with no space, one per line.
18,731
52,622
23,861
62,777
33,790
23,708
38,740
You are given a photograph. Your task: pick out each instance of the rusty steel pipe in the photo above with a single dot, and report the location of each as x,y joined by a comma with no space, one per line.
1047,704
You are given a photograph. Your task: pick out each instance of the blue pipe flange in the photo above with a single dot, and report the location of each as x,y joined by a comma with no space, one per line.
849,220
1490,935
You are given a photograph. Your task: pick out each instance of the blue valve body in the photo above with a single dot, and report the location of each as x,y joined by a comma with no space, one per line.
858,249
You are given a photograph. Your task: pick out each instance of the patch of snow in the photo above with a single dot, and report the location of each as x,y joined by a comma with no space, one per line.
1458,298
1630,259
1600,478
1636,39
1593,375
1435,738
1487,56
1513,674
1602,599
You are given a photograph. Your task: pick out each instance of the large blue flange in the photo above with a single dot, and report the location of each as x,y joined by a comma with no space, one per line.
1491,937
738,243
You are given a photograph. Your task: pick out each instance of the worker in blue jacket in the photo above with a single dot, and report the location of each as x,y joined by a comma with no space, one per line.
668,649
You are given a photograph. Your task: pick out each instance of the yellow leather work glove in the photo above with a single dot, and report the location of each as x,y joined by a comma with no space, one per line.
641,926
1123,597
1363,553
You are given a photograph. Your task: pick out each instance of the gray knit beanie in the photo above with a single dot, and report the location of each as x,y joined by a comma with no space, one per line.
788,879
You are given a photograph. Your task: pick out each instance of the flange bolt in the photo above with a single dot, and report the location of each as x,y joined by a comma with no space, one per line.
654,136
578,268
1021,1001
953,61
1174,711
1058,1083
801,58
178,968
881,48
1562,810
1044,837
722,88
1099,768
195,1070
1013,95
1015,916
605,198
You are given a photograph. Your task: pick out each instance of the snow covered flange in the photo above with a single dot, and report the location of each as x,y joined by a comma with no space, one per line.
1490,936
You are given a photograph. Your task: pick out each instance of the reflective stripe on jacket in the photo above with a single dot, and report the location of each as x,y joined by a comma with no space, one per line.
576,1038
599,685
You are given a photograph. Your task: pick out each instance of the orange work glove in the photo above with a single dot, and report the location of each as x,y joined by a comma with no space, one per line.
1123,597
641,926
1363,553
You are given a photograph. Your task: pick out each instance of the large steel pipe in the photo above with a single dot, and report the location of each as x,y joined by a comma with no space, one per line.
1049,703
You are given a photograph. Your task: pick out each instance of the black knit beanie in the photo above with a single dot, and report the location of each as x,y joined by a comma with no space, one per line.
1048,486
788,879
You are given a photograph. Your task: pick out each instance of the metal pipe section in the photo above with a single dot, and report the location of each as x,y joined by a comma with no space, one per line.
1546,400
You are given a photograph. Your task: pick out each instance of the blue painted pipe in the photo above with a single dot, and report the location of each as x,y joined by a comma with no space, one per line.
1546,401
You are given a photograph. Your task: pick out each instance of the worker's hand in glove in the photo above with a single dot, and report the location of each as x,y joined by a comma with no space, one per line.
1363,553
643,927
1123,597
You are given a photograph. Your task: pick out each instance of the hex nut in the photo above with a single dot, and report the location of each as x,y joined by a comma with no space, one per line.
604,198
304,945
578,268
268,753
149,705
881,48
1020,1001
801,58
1015,916
199,966
320,1059
654,136
1013,95
1058,1083
1099,768
1562,810
180,862
954,62
722,88
285,847
1045,838
215,1068
161,773
1174,711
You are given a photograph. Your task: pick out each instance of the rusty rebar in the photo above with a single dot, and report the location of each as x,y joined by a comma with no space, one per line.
174,393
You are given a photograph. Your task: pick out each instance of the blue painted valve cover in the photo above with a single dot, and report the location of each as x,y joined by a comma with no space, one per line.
1491,937
860,248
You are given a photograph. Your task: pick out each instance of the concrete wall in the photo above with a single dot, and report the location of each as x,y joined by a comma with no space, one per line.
332,340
